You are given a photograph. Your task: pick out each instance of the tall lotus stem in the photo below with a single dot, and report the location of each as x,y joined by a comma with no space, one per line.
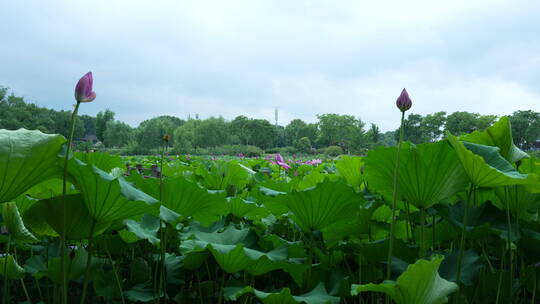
509,240
5,292
394,199
83,93
163,236
403,103
88,262
64,191
464,231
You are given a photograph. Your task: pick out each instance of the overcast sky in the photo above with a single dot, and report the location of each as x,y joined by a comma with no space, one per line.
231,58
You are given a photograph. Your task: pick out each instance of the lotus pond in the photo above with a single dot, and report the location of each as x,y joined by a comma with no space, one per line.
197,230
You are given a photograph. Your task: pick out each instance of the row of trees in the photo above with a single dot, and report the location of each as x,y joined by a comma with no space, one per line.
349,133
429,128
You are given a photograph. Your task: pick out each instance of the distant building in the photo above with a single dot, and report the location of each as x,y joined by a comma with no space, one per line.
89,138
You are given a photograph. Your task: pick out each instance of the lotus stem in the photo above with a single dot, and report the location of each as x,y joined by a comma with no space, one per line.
509,243
25,291
422,241
163,249
118,283
433,234
163,235
64,285
88,262
464,232
5,291
394,199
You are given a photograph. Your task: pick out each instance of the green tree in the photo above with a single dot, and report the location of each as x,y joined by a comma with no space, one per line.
341,130
62,120
102,119
89,124
262,133
150,132
388,138
303,145
184,136
464,122
240,129
525,128
294,131
117,134
432,126
373,134
461,122
484,121
412,129
212,132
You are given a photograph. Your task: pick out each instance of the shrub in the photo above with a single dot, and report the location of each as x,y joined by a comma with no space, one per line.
333,150
232,150
133,148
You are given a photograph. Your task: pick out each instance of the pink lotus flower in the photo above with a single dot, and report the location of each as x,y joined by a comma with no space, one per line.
314,162
83,90
404,102
280,162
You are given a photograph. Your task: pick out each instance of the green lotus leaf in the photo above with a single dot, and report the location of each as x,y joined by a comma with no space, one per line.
185,197
470,266
319,207
75,266
483,219
485,167
350,168
243,208
140,293
419,284
36,266
428,173
531,166
26,159
146,228
10,269
78,221
108,198
316,296
223,175
190,200
230,251
498,135
15,225
310,180
522,203
103,161
140,271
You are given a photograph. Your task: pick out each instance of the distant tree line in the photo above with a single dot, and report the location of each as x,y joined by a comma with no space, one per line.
338,133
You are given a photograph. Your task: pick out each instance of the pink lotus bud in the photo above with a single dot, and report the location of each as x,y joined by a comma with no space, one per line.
83,90
404,102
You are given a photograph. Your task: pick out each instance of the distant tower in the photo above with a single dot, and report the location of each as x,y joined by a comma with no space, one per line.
276,115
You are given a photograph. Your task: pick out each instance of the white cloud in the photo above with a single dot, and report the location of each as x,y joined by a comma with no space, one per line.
247,57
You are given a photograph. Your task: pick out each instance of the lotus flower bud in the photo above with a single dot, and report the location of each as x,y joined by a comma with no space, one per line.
403,102
83,90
